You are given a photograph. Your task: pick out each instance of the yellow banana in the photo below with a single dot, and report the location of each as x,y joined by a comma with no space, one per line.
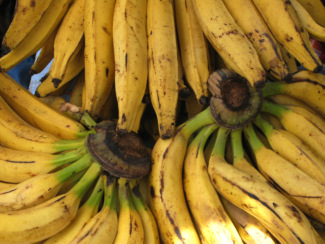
283,219
37,113
315,30
289,60
305,75
130,55
99,55
291,34
39,188
17,166
163,64
138,118
4,185
251,22
26,16
165,187
209,215
229,40
316,9
67,39
54,101
76,93
102,227
37,36
48,218
193,49
303,190
151,233
130,228
84,214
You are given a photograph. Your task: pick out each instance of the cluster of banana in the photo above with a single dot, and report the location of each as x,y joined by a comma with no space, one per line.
262,183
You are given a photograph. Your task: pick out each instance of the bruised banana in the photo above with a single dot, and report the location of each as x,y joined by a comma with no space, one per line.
39,188
37,113
165,183
316,9
291,34
208,213
254,195
84,214
229,40
99,55
251,22
48,218
37,36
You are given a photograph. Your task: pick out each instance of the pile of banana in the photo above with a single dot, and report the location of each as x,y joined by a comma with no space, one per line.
188,121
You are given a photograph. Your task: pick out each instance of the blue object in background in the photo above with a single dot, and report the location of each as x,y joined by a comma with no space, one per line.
20,72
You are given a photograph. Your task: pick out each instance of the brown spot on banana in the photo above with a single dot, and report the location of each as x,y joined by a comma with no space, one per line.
32,4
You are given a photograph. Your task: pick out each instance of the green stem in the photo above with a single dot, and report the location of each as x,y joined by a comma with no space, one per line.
87,120
203,135
237,145
252,138
219,147
265,126
65,145
123,193
273,88
68,157
272,108
96,194
110,192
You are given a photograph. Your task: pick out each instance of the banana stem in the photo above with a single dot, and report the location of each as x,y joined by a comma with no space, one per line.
273,88
110,192
203,135
124,197
252,138
68,157
237,146
272,108
219,147
65,145
265,126
96,194
65,173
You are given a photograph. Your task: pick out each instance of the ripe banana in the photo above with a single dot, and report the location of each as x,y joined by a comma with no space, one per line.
99,55
289,60
251,22
76,93
283,219
304,191
54,101
165,183
39,188
130,228
84,214
151,234
209,215
102,227
310,92
316,31
37,113
37,36
163,65
4,185
229,40
48,218
316,9
305,75
291,34
194,50
67,39
17,166
130,55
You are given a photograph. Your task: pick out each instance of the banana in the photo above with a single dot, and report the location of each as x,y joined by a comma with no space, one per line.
294,150
130,228
257,197
289,60
194,50
48,218
303,190
17,166
138,118
37,36
251,22
4,185
102,227
45,56
209,215
305,75
37,113
163,64
298,125
39,188
130,55
312,93
85,213
76,93
54,101
229,40
316,31
68,37
99,55
316,9
249,228
165,187
151,233
109,110
27,14
74,67
291,33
